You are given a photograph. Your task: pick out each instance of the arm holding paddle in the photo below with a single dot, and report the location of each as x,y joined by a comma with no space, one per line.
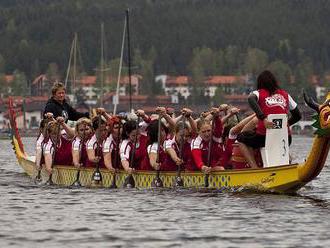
101,111
68,130
153,154
140,113
163,113
92,155
217,129
107,150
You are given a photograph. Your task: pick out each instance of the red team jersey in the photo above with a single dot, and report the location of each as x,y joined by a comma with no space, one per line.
200,148
278,103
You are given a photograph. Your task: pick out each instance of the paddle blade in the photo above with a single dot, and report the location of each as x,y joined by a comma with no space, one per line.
206,181
179,182
157,183
76,184
97,177
38,179
50,181
113,184
129,182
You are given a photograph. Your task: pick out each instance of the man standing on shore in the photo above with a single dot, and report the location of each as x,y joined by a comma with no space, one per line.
58,106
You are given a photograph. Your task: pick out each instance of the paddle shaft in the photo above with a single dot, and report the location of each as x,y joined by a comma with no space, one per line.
159,144
113,185
157,182
98,141
206,179
81,146
182,132
135,143
58,134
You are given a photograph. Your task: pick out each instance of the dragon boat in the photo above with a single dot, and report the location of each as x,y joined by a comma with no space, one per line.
277,178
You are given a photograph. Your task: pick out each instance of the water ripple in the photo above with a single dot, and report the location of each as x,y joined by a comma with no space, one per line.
40,216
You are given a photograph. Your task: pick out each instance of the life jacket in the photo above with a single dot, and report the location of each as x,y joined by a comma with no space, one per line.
92,143
153,148
81,148
186,155
63,154
200,148
201,158
141,160
110,145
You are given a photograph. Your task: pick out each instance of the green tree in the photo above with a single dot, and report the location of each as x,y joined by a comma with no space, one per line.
2,64
255,61
53,72
302,78
19,84
282,71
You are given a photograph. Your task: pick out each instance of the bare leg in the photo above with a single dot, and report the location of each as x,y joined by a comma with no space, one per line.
248,154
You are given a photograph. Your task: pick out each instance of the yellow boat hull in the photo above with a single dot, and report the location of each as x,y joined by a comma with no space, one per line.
276,179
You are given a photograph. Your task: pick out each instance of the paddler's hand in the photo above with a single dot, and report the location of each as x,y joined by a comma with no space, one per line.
78,165
49,115
111,169
178,161
140,113
170,111
206,169
215,111
130,170
60,120
223,107
204,114
161,110
186,112
156,166
100,111
96,159
217,168
234,111
268,124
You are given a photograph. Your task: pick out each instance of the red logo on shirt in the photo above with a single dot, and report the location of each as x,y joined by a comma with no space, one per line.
276,100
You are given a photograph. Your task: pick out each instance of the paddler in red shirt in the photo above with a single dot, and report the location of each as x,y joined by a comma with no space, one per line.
269,98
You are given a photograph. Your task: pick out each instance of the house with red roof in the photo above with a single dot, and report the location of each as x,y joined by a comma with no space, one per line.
175,85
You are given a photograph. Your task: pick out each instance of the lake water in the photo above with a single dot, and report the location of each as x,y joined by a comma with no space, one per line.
43,216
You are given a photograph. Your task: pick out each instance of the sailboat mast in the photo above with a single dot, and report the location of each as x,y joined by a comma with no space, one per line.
116,99
69,65
74,63
102,62
129,60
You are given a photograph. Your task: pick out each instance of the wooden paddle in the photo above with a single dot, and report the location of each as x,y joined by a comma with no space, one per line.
178,180
58,134
113,184
38,179
206,177
82,141
129,180
157,182
97,176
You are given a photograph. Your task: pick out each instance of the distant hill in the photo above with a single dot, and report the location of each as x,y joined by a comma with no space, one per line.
37,33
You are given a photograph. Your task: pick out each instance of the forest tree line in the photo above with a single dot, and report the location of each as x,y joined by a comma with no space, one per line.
182,37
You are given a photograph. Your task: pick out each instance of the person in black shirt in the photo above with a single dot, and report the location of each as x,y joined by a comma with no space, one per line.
58,106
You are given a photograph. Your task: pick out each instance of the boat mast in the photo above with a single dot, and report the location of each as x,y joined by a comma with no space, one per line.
74,63
129,61
116,99
102,63
69,64
73,53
